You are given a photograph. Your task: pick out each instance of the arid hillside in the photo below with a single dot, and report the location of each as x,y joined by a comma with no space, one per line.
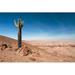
36,51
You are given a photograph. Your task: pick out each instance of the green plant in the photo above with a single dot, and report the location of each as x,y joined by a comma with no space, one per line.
19,25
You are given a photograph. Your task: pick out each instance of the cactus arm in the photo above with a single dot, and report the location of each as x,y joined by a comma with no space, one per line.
15,24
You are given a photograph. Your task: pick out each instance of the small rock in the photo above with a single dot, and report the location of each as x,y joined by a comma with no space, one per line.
4,46
32,59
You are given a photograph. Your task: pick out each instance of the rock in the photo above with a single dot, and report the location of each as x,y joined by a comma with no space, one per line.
4,46
24,51
32,59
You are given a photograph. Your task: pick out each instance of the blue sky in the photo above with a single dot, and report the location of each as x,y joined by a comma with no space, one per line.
39,25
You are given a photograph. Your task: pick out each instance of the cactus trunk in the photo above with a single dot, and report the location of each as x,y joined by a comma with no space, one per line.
19,38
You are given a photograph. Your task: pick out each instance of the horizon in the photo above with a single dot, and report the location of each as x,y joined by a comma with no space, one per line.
39,26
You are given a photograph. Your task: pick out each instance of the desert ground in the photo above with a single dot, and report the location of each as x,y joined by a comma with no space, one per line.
37,51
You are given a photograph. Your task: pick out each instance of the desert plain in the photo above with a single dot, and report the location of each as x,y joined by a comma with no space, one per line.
37,50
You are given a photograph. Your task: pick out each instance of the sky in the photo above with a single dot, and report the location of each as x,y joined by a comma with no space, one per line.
39,26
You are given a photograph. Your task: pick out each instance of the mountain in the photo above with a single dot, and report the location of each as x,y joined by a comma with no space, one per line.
7,40
9,48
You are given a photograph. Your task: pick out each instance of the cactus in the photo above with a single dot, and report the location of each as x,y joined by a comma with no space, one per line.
19,25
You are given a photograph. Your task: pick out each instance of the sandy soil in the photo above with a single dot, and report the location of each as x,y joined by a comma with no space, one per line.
37,51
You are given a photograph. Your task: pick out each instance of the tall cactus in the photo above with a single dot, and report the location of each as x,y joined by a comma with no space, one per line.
19,25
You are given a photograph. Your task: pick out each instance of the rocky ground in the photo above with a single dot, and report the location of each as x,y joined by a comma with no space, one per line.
36,51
